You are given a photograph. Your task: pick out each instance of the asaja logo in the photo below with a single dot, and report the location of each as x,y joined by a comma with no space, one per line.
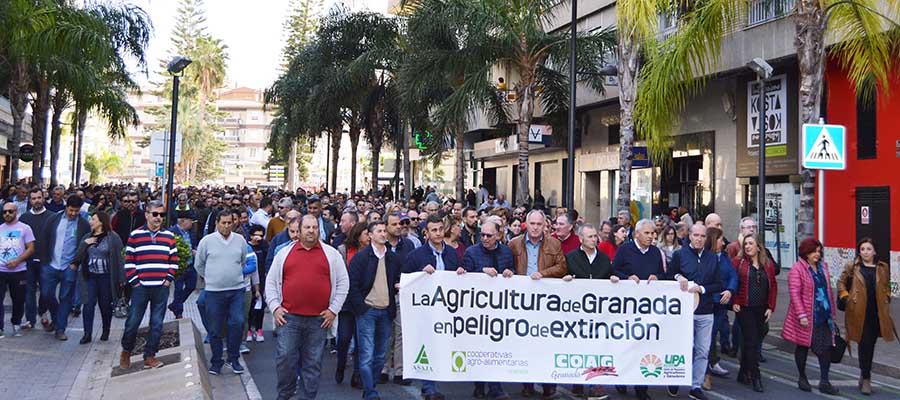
651,366
421,363
674,360
458,361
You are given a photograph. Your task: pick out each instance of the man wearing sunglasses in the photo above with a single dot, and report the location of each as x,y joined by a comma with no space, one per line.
277,223
128,218
63,231
16,247
151,258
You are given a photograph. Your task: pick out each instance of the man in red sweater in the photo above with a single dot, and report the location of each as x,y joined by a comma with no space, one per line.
306,287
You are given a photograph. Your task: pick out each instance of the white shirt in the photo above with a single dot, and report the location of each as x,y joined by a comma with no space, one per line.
591,257
260,217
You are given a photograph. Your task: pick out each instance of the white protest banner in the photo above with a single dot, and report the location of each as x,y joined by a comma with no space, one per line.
478,328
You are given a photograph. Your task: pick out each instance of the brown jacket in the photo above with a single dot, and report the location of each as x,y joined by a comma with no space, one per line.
551,260
855,315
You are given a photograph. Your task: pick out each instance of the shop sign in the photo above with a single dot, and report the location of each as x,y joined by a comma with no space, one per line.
775,103
26,152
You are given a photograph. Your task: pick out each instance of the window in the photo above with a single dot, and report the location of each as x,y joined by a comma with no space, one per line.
613,134
866,128
762,11
252,152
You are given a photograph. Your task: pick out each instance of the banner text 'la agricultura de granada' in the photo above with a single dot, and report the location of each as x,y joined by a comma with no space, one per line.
478,328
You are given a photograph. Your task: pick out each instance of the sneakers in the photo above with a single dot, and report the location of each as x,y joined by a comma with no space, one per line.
151,362
672,391
17,331
27,326
48,326
215,370
250,335
259,336
244,349
61,336
235,367
827,388
125,360
717,370
697,394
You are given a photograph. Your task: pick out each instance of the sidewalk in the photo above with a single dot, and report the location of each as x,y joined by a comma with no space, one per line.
68,370
886,353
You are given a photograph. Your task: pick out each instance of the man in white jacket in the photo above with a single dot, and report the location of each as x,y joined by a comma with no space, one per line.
306,287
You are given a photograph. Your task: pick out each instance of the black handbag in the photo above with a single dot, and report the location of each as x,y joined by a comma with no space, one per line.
840,347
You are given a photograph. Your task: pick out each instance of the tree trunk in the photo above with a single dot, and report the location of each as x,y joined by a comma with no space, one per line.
407,167
82,119
810,23
336,135
628,66
523,124
40,106
460,164
59,105
18,99
292,167
398,132
355,132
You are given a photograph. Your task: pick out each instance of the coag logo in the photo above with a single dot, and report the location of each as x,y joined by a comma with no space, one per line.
458,361
674,360
651,366
582,361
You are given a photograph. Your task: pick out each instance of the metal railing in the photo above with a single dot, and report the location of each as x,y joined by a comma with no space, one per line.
762,11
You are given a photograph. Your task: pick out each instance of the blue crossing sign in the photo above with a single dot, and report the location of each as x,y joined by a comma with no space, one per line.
824,146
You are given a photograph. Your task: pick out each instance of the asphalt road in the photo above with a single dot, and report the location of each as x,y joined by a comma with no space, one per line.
779,374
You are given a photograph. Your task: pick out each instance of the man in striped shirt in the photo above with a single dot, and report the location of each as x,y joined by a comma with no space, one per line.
151,258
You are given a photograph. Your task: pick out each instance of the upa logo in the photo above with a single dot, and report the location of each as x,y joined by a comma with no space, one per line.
651,366
458,361
674,360
421,363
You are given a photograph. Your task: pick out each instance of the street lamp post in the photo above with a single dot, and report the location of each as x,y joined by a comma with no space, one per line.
569,199
763,71
175,67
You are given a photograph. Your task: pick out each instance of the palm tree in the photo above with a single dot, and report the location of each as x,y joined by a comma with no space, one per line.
99,165
454,44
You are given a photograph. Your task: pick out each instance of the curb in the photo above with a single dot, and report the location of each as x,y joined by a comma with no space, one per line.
877,368
249,384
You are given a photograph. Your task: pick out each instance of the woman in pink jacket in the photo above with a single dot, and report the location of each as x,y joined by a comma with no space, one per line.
811,313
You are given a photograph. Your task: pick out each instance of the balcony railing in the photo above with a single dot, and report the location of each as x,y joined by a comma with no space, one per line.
762,11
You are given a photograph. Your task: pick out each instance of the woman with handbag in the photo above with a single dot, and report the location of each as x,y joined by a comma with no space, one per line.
864,289
753,305
102,272
810,319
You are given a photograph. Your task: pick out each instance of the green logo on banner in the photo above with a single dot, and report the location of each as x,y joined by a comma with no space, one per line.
651,366
458,361
422,358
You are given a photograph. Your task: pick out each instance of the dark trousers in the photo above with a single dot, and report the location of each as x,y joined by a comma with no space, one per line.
300,338
346,332
35,304
720,320
752,320
866,348
225,308
141,297
800,354
184,286
15,282
255,316
99,293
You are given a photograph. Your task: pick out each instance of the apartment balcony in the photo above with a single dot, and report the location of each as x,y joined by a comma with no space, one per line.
762,11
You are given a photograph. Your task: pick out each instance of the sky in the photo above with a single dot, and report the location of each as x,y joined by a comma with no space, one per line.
252,30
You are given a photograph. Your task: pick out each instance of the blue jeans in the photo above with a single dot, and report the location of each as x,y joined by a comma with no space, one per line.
201,307
346,332
703,327
141,296
99,293
34,300
303,338
184,286
59,309
225,308
723,329
373,329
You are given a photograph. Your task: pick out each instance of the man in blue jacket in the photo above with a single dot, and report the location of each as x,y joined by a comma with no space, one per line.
433,256
398,244
699,265
639,260
187,282
374,274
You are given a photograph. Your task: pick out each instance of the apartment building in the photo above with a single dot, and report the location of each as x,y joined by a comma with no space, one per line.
5,133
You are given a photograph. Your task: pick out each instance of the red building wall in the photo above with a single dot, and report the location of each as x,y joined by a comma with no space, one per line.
840,186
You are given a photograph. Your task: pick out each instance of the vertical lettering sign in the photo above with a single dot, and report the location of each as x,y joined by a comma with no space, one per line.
775,102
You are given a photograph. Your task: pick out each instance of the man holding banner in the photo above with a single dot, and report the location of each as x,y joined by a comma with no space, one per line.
433,256
694,263
538,256
638,260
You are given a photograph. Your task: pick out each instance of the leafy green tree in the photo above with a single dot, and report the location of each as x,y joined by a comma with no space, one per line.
102,164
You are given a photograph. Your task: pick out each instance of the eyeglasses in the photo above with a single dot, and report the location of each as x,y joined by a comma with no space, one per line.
404,222
157,214
9,211
487,235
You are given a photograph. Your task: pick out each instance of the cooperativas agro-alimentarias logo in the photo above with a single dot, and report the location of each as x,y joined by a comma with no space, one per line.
651,366
458,361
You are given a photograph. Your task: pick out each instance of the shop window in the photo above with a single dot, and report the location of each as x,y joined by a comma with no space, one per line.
866,129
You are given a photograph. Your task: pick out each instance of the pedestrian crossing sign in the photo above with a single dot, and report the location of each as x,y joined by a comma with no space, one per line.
824,146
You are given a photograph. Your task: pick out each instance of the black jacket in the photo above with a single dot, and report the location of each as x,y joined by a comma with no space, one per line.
578,265
702,270
362,277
